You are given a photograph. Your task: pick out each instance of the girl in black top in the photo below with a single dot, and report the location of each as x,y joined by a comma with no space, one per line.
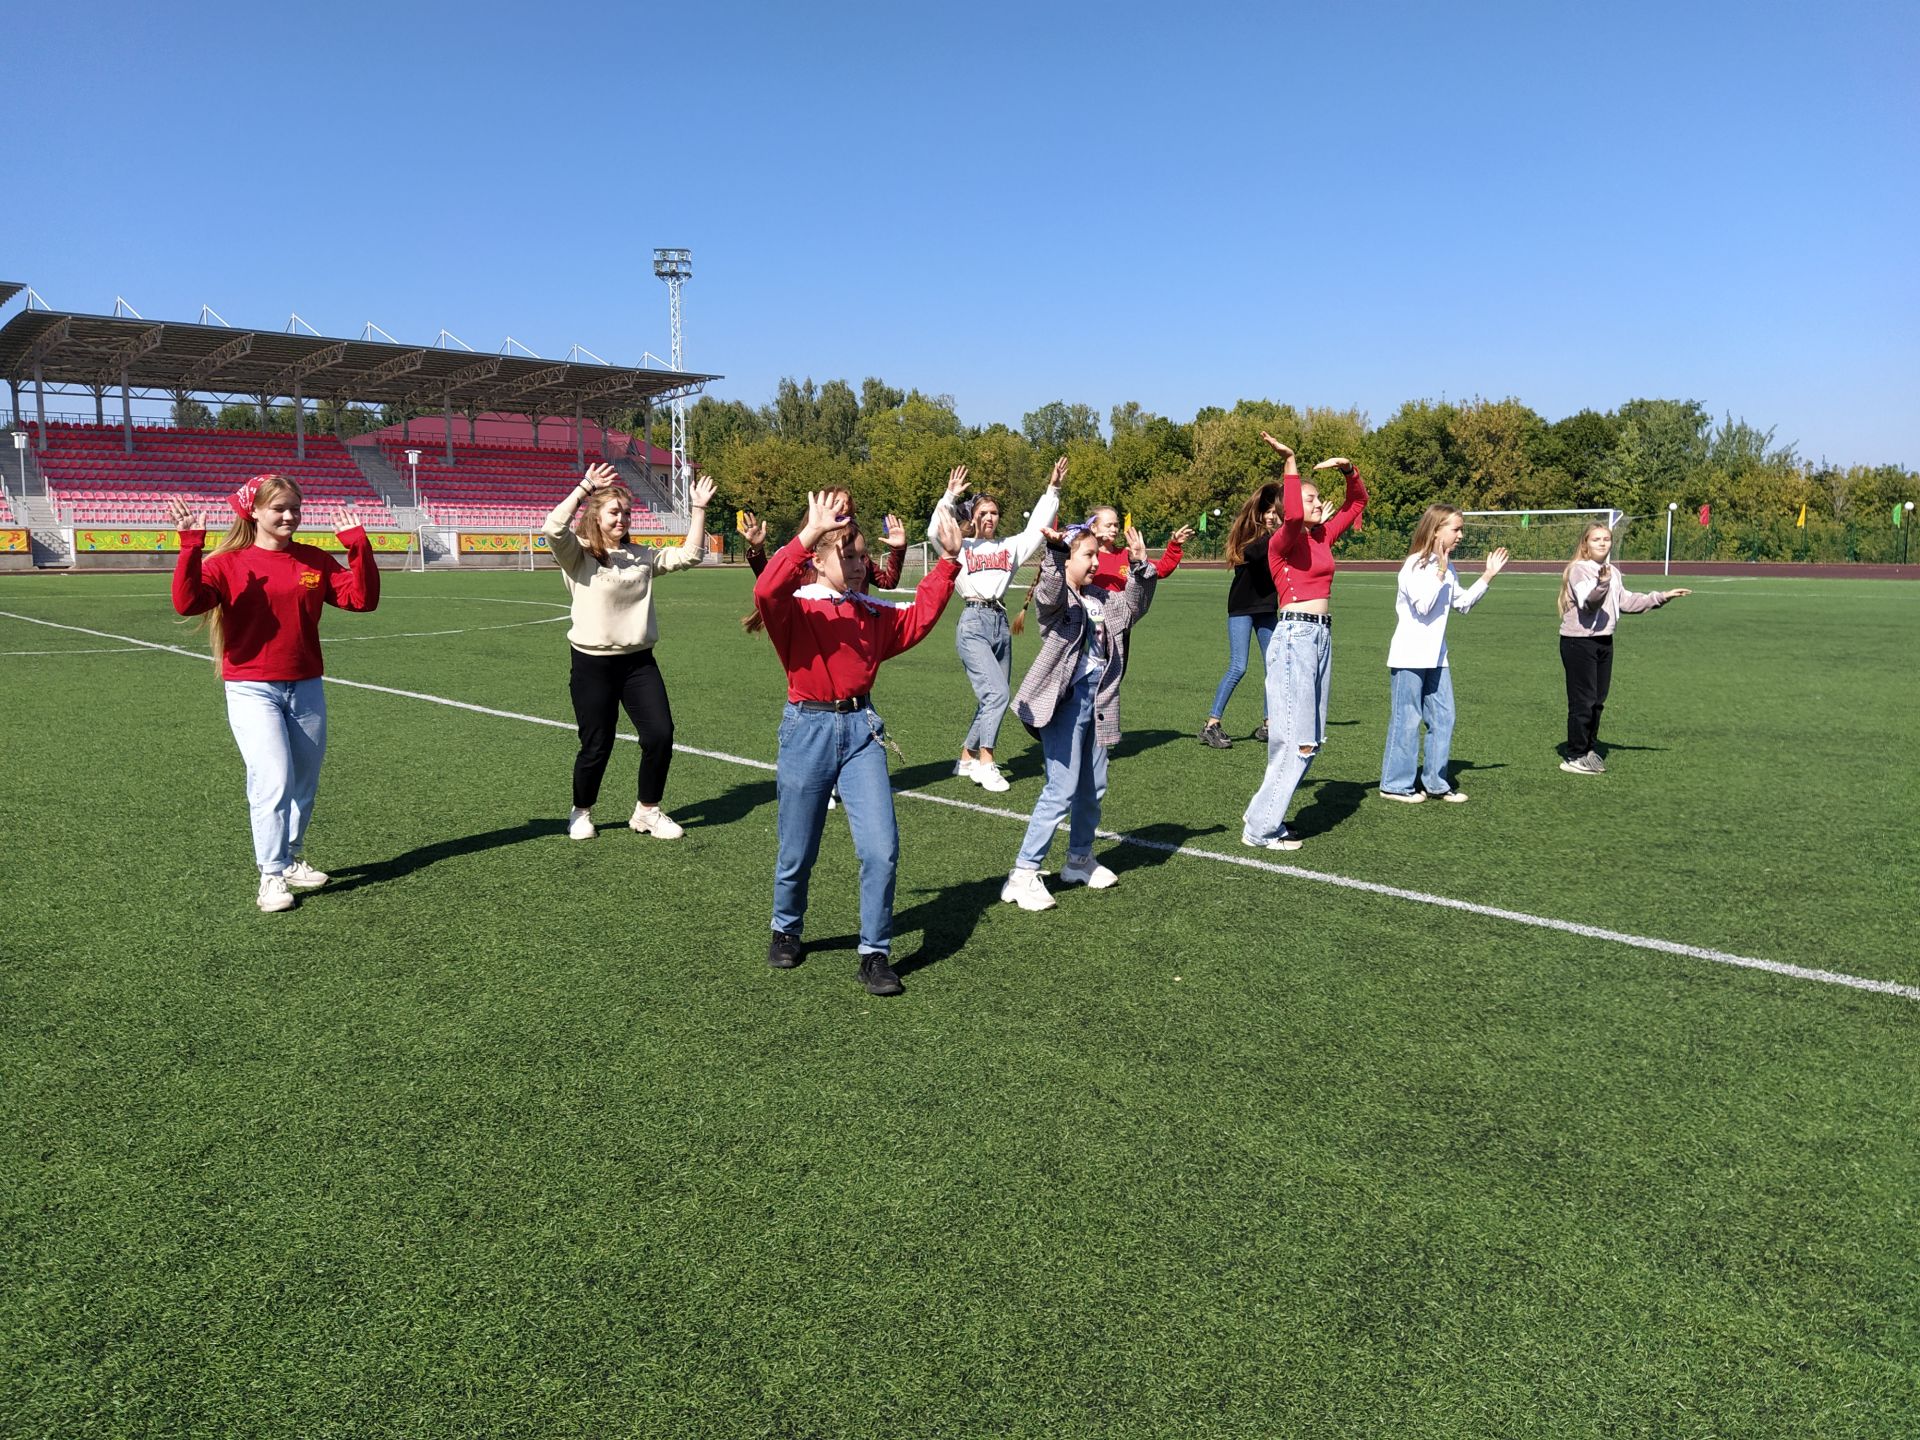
1251,604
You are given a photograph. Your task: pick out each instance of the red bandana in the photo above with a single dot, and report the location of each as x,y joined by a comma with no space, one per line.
242,500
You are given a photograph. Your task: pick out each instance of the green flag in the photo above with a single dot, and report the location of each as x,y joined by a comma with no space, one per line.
1896,514
1525,520
1203,522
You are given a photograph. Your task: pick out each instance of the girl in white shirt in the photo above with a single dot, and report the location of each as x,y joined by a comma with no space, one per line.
985,643
1417,657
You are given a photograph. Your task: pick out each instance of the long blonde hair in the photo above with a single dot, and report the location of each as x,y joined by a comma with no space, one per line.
592,537
1428,526
1579,554
242,533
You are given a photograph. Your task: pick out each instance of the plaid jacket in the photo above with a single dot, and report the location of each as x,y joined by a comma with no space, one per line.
1063,628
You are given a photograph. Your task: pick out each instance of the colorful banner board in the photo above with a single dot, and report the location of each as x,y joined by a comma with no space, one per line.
135,540
14,542
497,542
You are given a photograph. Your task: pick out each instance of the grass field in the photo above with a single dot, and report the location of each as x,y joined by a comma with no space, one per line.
502,1134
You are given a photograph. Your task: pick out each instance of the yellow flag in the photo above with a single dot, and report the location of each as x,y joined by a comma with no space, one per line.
739,519
1801,523
1126,521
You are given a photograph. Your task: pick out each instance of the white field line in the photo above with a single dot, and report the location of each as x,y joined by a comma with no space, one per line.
1248,862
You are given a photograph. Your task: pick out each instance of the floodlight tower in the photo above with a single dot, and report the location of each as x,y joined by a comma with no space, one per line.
676,268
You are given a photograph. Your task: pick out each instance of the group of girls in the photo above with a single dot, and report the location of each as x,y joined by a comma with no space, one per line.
262,593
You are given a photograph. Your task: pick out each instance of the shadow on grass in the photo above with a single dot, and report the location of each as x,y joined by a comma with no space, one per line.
946,920
1150,845
353,877
734,803
1333,801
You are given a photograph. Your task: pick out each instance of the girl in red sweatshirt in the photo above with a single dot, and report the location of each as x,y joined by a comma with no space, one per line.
831,638
262,594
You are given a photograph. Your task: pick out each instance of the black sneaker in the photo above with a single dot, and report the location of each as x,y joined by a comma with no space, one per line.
784,952
1214,736
1260,735
877,975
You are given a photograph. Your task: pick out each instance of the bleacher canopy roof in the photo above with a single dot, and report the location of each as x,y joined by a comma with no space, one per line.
101,350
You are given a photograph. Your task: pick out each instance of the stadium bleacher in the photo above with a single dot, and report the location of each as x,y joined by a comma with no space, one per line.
497,485
91,480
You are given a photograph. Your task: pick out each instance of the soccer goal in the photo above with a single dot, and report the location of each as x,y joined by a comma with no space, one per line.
1535,534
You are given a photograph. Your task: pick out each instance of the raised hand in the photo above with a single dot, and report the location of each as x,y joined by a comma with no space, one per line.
753,529
826,516
1496,562
700,492
347,519
1286,450
956,482
1136,545
894,532
1337,462
946,533
1182,535
1059,473
183,518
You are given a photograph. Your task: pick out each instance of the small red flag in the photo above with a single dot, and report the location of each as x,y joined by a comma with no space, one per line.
1706,514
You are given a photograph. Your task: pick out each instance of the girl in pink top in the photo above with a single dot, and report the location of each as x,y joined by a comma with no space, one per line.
1592,599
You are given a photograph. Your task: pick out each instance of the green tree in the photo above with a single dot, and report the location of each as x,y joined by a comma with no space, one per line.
1055,425
191,414
1496,441
837,418
1413,460
1662,445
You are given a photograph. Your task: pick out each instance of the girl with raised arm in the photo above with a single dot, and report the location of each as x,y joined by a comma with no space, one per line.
1592,599
1300,655
610,644
983,637
262,593
1071,701
1421,681
831,639
1251,606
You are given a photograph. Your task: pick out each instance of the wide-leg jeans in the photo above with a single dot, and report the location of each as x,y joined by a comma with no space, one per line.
1076,764
1419,697
281,728
1299,667
819,750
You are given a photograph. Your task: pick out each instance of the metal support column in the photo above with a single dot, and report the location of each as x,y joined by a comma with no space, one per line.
579,441
39,407
446,422
99,405
126,414
299,423
646,442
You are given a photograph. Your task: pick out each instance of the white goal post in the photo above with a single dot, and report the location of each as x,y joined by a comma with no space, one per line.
1549,531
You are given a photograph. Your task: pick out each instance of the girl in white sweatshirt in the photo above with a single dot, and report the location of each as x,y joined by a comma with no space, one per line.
1422,683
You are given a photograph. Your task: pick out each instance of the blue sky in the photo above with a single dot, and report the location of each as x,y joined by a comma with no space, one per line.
1180,205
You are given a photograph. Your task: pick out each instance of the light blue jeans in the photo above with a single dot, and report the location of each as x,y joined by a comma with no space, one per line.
1299,665
819,750
985,643
1076,778
281,728
1419,696
1241,630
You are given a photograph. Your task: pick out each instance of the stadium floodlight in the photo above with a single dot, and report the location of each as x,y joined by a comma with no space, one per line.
413,464
20,449
676,268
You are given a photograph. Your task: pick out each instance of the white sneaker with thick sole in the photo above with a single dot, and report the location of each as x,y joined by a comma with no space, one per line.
1272,842
302,876
1026,889
274,895
1089,872
1411,797
1452,797
580,824
652,820
988,777
964,768
1578,766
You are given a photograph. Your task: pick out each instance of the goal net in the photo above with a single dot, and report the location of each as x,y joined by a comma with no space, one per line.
1536,534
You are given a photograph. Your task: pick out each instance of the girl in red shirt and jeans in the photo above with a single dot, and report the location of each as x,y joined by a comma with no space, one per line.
1300,654
262,594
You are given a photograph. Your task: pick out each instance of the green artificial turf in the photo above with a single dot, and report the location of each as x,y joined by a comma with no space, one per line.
502,1134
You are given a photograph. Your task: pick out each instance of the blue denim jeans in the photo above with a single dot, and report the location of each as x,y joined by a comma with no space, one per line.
1419,696
1299,665
1076,779
819,750
1241,629
985,643
281,728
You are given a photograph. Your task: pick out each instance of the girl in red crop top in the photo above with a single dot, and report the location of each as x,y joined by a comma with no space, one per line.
1300,654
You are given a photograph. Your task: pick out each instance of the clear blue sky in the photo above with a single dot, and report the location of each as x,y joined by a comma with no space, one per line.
1177,204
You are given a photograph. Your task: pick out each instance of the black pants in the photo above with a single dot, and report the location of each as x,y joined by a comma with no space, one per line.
1589,665
600,685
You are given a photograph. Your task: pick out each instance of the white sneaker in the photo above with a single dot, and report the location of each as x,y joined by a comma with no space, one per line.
964,768
274,894
1026,889
988,777
1452,797
1089,872
302,876
1410,797
652,820
580,824
833,800
1272,842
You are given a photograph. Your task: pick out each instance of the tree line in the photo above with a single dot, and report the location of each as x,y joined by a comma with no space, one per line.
893,448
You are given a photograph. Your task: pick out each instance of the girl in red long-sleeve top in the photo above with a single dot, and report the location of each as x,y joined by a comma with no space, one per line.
262,593
831,639
1300,654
